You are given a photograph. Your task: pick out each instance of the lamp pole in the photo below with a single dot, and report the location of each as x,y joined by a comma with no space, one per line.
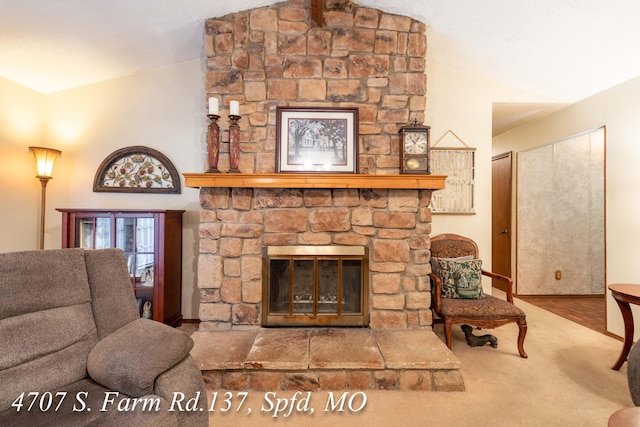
43,181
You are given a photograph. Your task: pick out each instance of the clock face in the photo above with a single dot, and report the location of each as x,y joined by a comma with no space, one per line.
415,143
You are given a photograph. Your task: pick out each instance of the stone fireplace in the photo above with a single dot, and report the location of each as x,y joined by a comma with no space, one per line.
351,56
276,56
237,224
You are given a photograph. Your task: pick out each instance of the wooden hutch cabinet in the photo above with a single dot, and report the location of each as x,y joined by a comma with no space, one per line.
152,244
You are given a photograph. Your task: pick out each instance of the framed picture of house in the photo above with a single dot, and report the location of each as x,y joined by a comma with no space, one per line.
317,139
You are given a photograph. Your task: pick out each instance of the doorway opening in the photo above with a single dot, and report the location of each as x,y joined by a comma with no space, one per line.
559,236
586,310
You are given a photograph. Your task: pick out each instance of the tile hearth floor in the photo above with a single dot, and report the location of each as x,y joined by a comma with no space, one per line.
311,359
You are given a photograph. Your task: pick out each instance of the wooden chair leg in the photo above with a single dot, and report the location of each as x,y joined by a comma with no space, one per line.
448,324
522,326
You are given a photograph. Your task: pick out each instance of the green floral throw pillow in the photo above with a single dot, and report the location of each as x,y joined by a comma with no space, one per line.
461,279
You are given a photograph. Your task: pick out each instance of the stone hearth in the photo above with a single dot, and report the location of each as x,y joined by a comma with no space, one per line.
306,359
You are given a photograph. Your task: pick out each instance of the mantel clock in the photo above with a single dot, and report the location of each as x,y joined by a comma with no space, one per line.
414,149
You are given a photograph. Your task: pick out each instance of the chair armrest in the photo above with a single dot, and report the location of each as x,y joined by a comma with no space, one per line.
437,294
507,280
130,359
185,379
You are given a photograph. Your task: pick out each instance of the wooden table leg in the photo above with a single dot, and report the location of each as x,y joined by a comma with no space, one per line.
627,316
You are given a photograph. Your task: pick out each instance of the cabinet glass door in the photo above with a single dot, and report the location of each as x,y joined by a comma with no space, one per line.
93,233
144,252
135,237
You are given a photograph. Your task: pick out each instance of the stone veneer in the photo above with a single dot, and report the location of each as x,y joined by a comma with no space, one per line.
274,56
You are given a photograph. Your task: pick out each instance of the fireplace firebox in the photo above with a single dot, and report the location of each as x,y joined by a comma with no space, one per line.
315,286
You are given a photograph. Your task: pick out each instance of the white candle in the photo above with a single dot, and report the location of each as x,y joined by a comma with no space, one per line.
213,106
234,108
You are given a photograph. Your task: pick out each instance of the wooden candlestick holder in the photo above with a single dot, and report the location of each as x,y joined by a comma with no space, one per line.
234,144
213,144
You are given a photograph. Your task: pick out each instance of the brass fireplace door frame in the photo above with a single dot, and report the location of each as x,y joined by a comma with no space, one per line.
315,253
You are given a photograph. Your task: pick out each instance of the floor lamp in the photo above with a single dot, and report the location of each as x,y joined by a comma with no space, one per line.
45,158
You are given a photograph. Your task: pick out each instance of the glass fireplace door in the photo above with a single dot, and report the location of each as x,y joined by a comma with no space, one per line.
315,286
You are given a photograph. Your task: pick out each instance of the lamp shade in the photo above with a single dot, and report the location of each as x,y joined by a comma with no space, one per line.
45,158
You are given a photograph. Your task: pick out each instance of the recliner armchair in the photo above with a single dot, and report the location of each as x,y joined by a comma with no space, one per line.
76,352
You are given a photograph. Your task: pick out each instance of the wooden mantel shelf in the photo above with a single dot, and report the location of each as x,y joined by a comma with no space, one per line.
320,180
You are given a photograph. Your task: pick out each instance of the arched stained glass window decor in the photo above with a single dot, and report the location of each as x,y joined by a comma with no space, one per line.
137,169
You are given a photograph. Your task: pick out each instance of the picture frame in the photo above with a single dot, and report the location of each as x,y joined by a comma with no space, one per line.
317,139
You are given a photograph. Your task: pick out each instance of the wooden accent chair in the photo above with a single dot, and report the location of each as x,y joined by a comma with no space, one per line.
485,312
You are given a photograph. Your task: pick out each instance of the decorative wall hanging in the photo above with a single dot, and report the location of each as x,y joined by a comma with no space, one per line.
137,169
458,164
317,139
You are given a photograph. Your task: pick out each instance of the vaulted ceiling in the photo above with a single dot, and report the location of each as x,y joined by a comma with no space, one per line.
565,50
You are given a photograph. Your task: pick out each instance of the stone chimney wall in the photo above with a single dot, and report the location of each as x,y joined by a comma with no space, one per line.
275,56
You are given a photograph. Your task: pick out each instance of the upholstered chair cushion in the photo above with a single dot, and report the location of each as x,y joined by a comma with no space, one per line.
486,308
129,360
112,296
45,320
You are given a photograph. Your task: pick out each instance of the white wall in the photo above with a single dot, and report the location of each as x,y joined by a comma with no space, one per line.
21,126
618,109
163,109
463,103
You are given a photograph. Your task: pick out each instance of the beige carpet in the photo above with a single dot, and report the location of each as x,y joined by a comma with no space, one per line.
566,381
